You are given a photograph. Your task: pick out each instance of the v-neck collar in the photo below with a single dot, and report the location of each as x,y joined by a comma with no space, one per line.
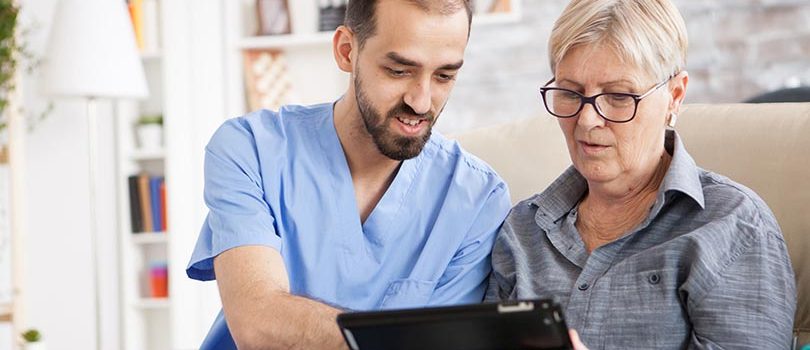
388,208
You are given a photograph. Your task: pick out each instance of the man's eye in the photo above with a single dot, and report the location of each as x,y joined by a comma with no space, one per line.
396,72
446,77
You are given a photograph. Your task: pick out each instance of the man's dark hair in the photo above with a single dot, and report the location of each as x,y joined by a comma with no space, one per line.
361,14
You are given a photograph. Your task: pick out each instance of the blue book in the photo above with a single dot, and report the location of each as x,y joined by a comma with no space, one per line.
154,191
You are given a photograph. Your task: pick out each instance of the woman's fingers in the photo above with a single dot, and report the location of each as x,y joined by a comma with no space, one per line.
575,340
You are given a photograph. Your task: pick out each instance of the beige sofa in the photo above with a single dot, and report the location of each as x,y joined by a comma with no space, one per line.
765,147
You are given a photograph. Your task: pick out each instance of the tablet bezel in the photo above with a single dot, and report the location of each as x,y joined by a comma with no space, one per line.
549,317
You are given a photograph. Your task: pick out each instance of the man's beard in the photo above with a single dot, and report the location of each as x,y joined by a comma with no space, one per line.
391,145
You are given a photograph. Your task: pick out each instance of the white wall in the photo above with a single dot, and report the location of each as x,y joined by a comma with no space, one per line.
59,288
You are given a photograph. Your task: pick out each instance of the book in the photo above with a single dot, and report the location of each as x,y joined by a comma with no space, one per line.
145,201
164,226
136,14
136,217
154,194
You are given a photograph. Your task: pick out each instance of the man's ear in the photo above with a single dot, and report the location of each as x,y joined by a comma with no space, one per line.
343,48
678,90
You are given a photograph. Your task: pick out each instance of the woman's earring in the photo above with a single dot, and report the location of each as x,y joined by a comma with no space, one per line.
673,118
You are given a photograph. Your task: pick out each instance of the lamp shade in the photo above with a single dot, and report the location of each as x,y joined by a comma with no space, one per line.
92,53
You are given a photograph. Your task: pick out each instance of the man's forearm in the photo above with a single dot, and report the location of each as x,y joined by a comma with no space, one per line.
285,321
260,311
307,324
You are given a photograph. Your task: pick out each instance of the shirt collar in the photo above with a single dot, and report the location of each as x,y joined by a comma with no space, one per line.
564,193
683,174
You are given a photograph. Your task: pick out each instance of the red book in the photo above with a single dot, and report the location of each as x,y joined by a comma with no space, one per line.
163,219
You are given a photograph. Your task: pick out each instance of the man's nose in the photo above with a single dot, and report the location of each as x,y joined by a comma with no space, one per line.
418,96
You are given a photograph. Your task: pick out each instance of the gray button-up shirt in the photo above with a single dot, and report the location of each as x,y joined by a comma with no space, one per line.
707,269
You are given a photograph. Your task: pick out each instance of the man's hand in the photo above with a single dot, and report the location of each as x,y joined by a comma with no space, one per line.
260,311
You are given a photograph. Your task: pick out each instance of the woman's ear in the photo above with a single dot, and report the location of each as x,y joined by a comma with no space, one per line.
343,47
677,87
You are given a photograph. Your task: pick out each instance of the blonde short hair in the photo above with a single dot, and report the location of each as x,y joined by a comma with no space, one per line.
648,33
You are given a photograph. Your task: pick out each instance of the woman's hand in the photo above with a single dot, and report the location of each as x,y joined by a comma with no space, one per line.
575,340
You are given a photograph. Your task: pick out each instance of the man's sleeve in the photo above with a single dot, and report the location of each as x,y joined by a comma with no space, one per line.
752,303
502,279
238,214
464,280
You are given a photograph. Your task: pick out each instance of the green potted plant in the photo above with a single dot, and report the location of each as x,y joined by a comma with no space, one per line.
32,340
14,56
149,129
9,49
9,53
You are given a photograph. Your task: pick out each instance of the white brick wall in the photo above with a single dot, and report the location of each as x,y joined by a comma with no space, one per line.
738,49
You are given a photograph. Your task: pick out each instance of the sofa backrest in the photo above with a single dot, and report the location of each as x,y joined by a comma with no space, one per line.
763,146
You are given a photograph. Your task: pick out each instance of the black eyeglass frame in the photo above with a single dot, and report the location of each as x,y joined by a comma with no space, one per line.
583,100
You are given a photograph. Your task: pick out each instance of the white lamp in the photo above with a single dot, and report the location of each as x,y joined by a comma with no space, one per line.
92,54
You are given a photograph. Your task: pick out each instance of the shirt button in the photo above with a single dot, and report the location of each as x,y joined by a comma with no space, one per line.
654,278
584,286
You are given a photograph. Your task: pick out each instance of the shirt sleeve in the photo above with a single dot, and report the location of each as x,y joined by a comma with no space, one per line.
502,280
752,303
238,213
464,280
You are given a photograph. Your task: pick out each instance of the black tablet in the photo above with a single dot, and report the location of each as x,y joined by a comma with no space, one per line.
526,324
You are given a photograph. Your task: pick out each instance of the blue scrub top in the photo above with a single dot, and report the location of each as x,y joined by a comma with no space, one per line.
280,179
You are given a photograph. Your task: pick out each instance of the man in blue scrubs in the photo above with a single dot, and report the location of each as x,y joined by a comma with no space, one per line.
351,205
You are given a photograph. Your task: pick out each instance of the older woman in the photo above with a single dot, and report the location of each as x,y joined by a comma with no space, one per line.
642,248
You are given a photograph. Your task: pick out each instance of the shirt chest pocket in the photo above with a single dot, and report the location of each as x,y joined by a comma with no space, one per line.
407,293
645,311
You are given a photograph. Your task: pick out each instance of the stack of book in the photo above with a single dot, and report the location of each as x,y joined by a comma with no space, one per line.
147,203
144,15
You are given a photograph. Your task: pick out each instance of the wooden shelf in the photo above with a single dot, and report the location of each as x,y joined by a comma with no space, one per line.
6,312
286,41
153,303
148,155
145,238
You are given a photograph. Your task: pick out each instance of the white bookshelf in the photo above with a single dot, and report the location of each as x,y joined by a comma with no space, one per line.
148,155
308,52
146,238
139,312
185,77
145,304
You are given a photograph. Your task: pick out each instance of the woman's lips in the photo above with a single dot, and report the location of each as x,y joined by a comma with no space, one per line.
592,148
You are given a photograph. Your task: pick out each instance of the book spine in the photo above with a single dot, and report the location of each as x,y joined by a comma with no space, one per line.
146,201
163,217
154,192
136,12
136,219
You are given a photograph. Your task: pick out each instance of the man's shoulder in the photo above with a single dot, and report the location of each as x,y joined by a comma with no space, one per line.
267,125
287,116
450,153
